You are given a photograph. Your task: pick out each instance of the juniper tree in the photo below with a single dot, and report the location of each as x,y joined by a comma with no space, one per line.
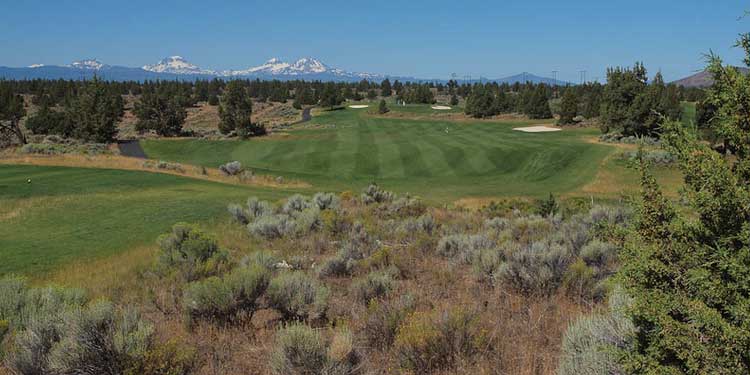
94,112
385,88
568,107
161,113
11,112
236,111
688,271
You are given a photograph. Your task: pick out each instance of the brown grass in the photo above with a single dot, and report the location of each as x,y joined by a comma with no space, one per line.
134,164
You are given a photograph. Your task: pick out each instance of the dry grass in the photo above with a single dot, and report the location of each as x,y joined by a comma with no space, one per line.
134,164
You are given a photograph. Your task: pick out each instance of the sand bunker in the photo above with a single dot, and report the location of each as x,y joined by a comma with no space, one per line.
440,107
358,106
537,129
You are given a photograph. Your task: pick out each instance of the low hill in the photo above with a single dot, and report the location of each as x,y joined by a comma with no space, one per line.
701,79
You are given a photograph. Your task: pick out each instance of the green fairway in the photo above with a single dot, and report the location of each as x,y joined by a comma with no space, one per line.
69,214
437,159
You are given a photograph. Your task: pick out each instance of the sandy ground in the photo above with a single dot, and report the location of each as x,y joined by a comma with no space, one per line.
441,107
358,106
537,129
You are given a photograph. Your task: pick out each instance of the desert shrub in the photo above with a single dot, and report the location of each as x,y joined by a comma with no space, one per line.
261,258
300,349
21,305
529,229
497,224
485,264
170,358
591,343
536,269
221,299
374,194
195,254
358,246
580,280
95,339
55,148
326,201
257,208
463,248
375,285
547,207
425,223
298,296
238,214
405,207
436,341
604,215
296,203
164,165
271,227
232,168
43,149
383,319
575,233
598,254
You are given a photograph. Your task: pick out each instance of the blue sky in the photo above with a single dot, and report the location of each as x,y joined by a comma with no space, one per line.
426,39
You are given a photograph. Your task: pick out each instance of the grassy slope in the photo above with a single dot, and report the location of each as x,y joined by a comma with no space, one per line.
345,150
69,214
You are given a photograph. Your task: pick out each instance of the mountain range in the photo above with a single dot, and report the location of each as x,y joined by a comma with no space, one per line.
178,68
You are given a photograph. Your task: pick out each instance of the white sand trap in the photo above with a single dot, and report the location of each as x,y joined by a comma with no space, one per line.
537,129
358,106
440,107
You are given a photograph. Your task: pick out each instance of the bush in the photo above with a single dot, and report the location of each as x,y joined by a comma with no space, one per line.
171,358
177,167
300,349
326,201
485,264
599,254
374,194
591,343
497,224
374,285
425,223
537,269
295,204
192,252
222,299
436,341
298,296
359,246
463,248
95,339
232,168
383,319
271,227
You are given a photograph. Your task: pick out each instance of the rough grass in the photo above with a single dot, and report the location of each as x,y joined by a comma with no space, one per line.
79,214
348,149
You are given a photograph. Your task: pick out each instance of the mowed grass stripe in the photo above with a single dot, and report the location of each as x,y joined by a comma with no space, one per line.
367,153
452,154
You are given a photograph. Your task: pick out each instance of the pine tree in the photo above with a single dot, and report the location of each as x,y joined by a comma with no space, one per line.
330,97
454,100
538,106
568,107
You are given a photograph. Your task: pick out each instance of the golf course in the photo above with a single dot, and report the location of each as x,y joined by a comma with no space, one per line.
439,159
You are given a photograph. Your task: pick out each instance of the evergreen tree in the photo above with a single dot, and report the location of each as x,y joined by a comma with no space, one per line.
371,94
622,89
568,107
330,97
48,121
688,271
454,100
161,113
385,88
538,105
11,112
382,108
236,111
480,103
94,113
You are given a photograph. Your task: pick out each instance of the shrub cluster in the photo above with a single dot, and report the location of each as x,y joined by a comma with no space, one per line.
358,246
653,157
222,299
65,148
438,340
232,168
191,252
298,296
374,194
298,215
300,349
375,285
58,331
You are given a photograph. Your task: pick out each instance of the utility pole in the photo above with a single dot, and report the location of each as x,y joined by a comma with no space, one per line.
554,83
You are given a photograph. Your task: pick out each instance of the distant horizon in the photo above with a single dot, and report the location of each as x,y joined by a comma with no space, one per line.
417,39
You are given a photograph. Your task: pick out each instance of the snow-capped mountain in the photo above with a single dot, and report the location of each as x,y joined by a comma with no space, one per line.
90,64
176,65
306,66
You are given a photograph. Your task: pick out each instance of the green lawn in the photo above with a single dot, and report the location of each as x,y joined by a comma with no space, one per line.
69,214
347,149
